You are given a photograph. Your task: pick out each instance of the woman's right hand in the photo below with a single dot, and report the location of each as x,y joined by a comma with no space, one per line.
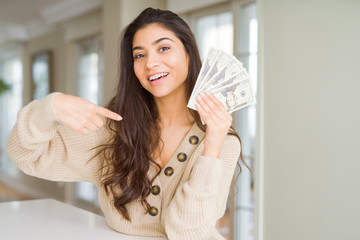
81,115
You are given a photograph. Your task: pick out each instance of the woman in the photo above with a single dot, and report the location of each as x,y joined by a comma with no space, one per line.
159,171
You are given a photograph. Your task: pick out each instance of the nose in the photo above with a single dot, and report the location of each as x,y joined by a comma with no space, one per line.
152,60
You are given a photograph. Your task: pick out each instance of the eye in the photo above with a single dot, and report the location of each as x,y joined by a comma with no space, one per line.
138,56
162,49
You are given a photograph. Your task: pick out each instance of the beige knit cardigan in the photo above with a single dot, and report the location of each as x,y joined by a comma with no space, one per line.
190,201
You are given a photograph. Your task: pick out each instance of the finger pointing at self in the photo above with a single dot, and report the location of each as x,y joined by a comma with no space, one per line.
81,115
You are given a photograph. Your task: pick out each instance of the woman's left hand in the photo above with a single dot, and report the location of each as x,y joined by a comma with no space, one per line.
217,120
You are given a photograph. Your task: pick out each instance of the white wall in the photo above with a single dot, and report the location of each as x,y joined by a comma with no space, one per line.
181,6
310,55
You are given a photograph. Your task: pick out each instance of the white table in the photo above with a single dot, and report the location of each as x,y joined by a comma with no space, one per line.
48,219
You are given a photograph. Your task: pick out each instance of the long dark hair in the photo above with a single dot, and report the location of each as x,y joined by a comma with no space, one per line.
128,154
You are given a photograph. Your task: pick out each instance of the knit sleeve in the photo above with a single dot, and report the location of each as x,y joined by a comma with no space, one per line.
41,147
201,201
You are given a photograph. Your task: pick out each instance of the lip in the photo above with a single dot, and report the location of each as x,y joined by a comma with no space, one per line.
158,81
153,74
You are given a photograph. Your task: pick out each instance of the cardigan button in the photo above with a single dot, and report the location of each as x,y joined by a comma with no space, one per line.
155,189
194,140
182,157
169,171
153,211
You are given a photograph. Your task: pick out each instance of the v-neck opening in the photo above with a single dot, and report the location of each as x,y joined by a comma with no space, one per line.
179,146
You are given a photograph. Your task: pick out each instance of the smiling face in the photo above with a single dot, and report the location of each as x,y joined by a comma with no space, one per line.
160,61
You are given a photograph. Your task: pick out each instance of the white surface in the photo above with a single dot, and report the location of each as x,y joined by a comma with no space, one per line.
49,219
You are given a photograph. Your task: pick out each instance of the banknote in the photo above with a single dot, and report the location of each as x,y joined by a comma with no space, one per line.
212,65
225,77
210,59
230,70
234,79
206,67
221,60
235,96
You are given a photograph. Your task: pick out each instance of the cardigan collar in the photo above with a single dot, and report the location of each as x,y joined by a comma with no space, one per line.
178,162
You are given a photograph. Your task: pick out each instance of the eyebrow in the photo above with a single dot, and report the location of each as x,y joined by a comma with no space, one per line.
154,43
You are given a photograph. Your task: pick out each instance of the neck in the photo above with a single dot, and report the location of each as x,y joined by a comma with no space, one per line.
173,110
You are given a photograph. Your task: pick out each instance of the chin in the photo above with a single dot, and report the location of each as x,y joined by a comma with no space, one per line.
159,95
165,91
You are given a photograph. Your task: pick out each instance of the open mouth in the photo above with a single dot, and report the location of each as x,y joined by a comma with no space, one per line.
158,76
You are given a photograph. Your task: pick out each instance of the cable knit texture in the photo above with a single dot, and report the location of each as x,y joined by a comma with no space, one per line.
190,201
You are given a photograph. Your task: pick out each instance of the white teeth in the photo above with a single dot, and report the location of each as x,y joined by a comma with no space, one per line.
156,76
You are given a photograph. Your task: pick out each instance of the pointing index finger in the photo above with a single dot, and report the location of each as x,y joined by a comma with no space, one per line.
109,114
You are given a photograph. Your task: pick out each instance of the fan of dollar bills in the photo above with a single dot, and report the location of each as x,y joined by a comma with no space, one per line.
225,77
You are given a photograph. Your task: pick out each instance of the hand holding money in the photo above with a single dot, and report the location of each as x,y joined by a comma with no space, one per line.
217,120
225,77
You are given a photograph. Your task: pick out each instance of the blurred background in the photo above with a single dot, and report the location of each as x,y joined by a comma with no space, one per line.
301,138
